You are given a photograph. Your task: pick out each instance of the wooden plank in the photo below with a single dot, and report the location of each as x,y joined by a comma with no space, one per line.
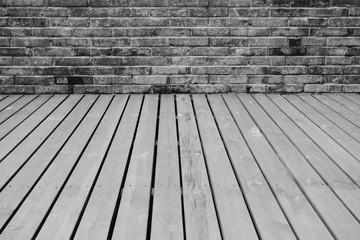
30,144
14,107
11,140
28,218
340,109
22,115
199,211
234,217
132,217
7,101
302,217
11,197
342,224
334,177
343,139
64,214
167,210
268,216
97,216
355,98
345,102
340,156
339,120
3,96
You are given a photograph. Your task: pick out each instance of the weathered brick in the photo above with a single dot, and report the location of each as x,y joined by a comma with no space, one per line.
112,80
153,79
33,61
34,80
189,41
93,89
239,79
7,80
18,89
188,79
53,89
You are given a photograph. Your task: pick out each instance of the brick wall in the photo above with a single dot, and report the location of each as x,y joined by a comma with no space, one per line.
106,46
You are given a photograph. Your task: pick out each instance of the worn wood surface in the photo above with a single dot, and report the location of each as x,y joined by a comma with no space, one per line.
206,167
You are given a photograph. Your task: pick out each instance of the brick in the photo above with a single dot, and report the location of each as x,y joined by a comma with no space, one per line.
189,79
345,3
209,51
237,88
16,89
93,71
34,80
151,42
228,61
153,79
32,42
334,60
336,41
133,89
132,71
73,61
190,3
253,70
209,12
305,79
279,41
180,32
93,89
210,70
249,31
350,88
112,80
53,89
265,79
6,61
249,12
70,22
7,80
169,70
240,79
169,12
229,42
189,22
210,31
248,51
92,32
190,61
47,12
304,60
33,61
189,41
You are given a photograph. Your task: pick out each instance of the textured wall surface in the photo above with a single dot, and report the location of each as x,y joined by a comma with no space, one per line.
117,46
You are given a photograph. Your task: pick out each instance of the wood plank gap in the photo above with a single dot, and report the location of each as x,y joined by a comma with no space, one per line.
340,109
234,170
353,98
329,173
23,116
339,221
52,179
13,198
345,102
273,223
121,188
61,189
15,107
207,169
17,135
98,173
180,168
338,135
155,154
335,118
8,101
13,162
301,214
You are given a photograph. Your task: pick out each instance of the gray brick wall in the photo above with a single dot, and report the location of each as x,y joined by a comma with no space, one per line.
126,46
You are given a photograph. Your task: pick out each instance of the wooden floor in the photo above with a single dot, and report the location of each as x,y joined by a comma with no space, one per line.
161,167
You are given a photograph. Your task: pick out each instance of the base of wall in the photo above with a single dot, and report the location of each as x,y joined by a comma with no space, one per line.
192,88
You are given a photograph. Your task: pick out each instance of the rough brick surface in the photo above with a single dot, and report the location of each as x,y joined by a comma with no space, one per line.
164,46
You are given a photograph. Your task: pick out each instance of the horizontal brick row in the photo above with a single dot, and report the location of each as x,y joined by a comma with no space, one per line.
181,88
177,3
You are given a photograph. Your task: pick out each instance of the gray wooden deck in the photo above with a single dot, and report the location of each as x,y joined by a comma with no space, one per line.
138,167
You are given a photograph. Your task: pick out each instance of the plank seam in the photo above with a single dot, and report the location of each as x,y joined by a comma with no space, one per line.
292,176
121,187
